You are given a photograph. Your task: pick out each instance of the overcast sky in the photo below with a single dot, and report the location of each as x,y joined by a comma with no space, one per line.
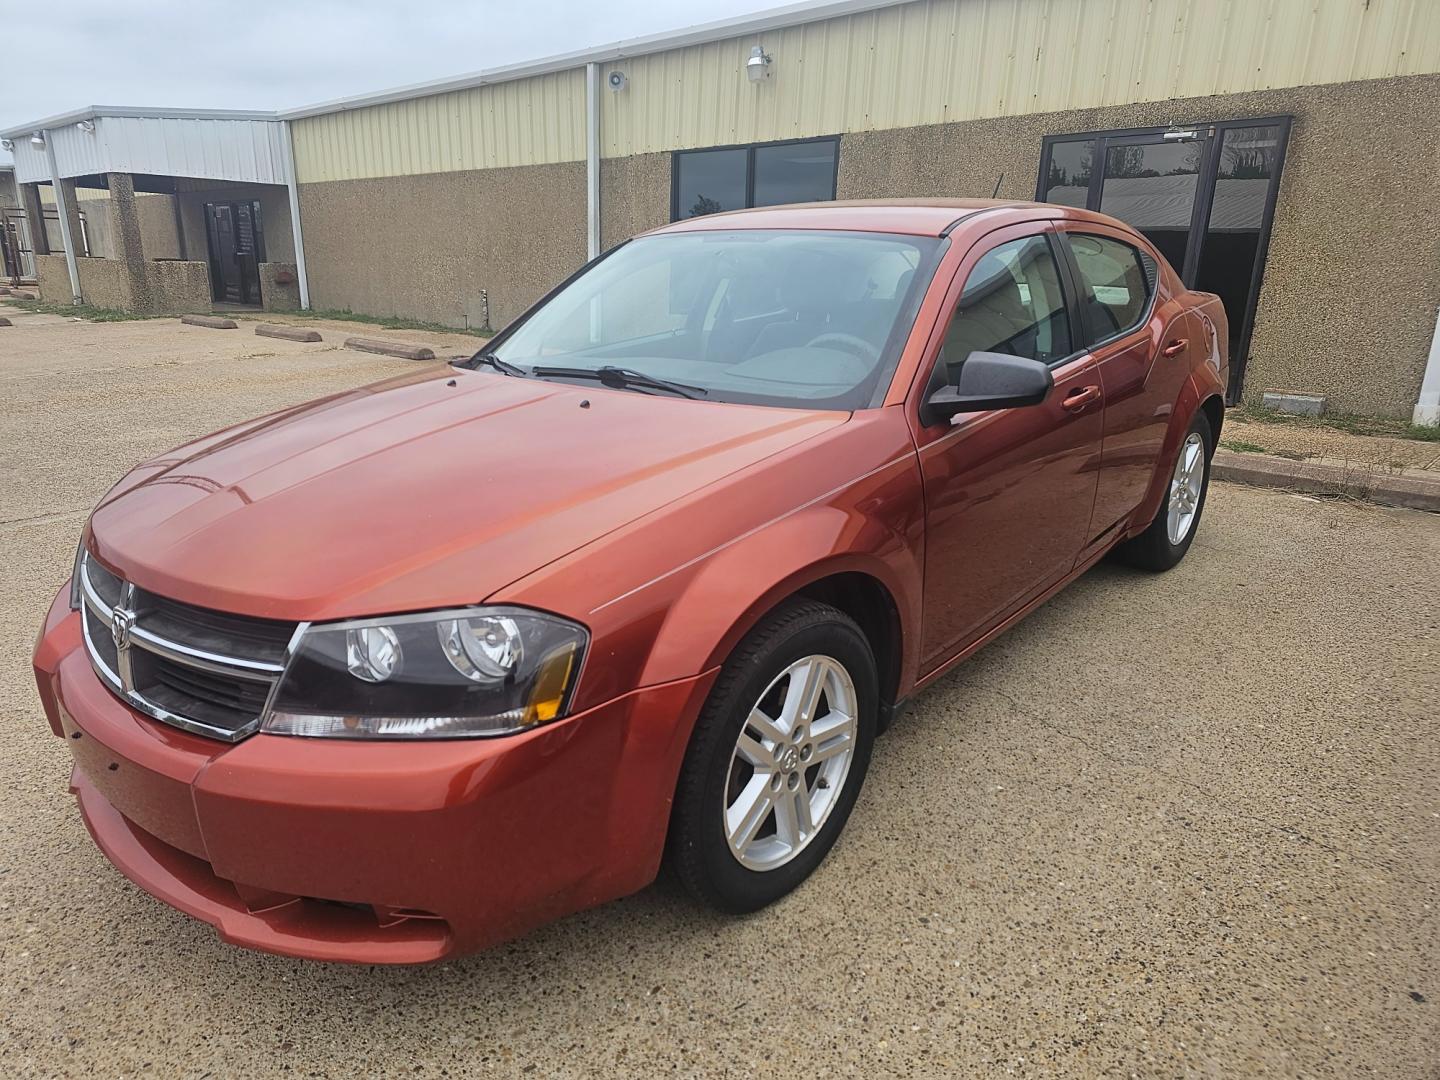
59,55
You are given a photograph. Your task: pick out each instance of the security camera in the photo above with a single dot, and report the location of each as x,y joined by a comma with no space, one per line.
617,81
6,144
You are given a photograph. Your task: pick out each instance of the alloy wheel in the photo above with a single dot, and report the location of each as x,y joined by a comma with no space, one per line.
790,763
1185,486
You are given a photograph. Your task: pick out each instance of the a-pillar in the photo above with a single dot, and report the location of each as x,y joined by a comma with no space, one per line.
125,244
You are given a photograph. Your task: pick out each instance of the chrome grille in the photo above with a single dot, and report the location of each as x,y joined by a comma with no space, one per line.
204,671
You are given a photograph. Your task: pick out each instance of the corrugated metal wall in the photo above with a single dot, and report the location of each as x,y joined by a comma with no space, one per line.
929,62
525,122
239,150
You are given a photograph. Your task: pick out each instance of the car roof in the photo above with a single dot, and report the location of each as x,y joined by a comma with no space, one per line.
915,217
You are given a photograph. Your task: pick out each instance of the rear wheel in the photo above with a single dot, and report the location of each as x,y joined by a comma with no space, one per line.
1167,539
777,760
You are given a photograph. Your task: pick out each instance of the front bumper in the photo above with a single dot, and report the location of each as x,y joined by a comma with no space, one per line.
371,852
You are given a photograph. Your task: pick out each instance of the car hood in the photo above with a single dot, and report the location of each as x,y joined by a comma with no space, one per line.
425,491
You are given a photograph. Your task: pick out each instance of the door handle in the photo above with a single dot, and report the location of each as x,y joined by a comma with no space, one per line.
1079,399
1176,347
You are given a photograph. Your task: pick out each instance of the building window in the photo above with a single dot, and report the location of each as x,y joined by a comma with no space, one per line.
767,174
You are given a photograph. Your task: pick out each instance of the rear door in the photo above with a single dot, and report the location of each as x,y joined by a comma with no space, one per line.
1008,493
1138,338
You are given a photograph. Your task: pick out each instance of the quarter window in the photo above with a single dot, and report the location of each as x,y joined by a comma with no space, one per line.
739,177
1114,287
1012,304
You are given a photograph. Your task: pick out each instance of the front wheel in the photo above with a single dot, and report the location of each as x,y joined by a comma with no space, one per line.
1167,539
777,759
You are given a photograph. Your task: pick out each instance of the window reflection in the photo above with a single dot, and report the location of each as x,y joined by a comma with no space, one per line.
1152,187
1249,157
1067,177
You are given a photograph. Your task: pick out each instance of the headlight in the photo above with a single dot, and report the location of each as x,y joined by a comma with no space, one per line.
77,591
444,674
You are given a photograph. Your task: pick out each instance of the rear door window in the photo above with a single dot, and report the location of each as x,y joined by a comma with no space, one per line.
1114,285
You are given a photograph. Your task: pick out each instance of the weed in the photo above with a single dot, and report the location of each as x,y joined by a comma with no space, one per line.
1354,425
389,322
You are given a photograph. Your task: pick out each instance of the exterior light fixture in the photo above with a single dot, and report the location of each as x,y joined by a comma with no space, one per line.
87,126
38,140
757,68
6,144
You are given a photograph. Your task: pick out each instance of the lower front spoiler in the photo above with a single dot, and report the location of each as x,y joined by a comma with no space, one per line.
290,925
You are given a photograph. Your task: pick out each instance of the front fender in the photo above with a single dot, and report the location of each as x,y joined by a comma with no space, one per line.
730,592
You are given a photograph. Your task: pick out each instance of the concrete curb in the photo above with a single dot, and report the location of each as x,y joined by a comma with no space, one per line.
390,348
289,333
212,321
1359,482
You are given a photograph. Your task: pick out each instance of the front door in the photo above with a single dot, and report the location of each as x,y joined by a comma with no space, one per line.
1008,493
237,247
1204,195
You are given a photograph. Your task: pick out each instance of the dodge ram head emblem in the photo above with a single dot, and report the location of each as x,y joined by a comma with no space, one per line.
120,623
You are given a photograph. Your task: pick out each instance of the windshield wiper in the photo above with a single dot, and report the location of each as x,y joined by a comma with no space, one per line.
618,378
489,359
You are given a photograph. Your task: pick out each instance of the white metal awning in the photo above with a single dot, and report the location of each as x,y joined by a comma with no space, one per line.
240,147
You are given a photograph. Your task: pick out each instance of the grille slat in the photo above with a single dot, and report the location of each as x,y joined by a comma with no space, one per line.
197,694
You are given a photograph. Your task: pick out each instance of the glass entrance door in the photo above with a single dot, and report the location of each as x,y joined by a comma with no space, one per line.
1203,195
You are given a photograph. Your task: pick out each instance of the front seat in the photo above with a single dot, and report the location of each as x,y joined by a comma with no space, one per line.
991,318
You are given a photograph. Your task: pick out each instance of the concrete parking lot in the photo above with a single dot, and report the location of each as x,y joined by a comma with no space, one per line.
1174,825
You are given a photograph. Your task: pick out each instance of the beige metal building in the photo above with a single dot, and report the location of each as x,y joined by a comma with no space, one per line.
1283,153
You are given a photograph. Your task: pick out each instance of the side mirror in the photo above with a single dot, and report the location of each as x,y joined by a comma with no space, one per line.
985,381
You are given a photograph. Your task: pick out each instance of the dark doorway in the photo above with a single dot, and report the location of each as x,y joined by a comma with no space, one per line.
237,248
1204,195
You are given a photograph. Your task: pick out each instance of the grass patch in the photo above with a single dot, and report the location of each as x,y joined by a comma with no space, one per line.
1240,446
75,311
1374,426
388,322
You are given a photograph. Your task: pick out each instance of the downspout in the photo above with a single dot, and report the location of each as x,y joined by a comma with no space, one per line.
295,230
592,160
1427,409
65,237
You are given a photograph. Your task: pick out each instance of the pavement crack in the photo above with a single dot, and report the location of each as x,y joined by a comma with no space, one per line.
40,519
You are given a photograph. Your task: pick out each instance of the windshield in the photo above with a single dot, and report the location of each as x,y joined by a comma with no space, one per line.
790,318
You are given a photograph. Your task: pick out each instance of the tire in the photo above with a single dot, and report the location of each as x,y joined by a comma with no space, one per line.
801,645
1156,548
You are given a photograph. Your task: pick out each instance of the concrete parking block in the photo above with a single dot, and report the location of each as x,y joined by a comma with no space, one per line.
212,321
289,333
403,350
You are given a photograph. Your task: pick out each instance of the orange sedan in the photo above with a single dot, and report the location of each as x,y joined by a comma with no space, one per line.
409,670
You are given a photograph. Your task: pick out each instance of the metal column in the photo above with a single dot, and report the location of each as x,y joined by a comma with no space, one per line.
592,160
295,231
65,237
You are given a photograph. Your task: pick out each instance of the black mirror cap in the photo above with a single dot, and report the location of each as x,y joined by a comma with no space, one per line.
988,381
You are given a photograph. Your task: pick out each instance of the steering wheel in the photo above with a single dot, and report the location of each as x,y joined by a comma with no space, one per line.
845,343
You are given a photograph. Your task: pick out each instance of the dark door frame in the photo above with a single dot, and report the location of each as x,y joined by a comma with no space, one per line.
1212,136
